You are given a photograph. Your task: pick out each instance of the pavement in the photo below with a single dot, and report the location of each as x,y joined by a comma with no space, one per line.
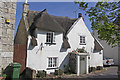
107,72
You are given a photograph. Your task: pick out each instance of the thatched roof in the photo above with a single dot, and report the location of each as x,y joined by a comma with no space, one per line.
43,21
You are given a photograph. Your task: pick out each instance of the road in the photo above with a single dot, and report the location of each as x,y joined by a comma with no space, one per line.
111,72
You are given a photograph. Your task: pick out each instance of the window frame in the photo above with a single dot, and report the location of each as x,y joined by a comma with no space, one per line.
52,64
82,40
50,38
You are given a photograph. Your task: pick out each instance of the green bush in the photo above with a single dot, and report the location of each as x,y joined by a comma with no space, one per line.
3,74
81,50
92,69
59,72
99,68
41,74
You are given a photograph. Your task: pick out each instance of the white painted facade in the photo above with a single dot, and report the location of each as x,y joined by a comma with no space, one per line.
37,57
96,59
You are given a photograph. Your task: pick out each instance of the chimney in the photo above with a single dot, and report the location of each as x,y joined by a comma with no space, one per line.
25,8
26,1
79,15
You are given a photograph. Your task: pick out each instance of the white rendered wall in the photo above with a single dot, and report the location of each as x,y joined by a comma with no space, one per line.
96,59
78,30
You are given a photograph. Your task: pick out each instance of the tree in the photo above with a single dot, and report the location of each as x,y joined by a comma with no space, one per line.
103,18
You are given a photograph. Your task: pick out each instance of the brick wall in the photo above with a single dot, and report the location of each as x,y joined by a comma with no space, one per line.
20,55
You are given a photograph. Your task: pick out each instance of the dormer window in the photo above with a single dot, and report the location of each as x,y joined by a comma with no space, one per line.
82,40
50,38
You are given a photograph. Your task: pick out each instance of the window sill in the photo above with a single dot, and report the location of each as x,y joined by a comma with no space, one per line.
52,68
51,43
82,43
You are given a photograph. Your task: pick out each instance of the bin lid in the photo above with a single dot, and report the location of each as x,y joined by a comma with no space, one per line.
15,64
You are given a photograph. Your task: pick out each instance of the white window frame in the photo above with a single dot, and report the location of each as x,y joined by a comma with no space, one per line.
82,40
50,38
51,63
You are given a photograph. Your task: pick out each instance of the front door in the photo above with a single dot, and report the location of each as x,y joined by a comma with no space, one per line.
83,64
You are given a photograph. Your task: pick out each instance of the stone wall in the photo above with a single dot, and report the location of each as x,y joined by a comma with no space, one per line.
7,11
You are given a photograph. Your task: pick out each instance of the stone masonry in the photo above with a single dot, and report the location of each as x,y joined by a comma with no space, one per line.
7,11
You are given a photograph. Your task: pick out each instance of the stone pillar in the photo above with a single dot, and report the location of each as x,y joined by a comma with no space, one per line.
7,27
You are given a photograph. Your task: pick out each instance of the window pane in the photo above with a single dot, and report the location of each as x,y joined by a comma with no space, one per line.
55,61
80,37
51,37
80,41
49,62
84,40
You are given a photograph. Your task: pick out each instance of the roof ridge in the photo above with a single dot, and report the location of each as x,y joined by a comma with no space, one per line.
45,10
63,17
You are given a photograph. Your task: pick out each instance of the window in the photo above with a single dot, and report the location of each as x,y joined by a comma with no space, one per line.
50,37
82,40
52,62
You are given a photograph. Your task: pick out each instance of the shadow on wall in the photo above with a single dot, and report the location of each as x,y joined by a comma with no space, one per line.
63,49
65,63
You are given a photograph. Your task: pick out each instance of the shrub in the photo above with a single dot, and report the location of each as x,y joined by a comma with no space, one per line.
81,50
99,68
59,72
92,69
41,74
3,74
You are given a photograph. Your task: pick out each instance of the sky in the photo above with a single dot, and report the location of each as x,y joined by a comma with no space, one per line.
69,9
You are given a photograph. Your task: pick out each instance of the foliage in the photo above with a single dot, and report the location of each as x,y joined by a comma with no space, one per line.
59,72
80,50
105,18
67,69
41,74
92,69
99,68
4,75
107,58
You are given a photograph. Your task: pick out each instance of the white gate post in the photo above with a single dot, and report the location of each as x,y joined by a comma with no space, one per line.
78,65
87,64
